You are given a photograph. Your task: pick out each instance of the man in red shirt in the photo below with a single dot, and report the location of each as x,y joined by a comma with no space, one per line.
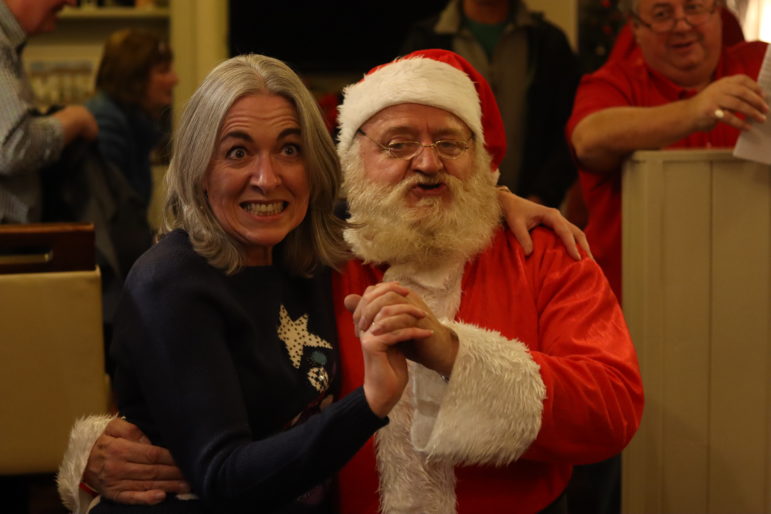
679,88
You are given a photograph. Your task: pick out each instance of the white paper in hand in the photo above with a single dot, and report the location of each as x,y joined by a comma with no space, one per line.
755,144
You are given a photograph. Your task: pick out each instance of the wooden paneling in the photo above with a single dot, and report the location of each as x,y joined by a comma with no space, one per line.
697,297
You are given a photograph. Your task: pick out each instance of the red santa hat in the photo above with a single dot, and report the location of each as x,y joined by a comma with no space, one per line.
437,78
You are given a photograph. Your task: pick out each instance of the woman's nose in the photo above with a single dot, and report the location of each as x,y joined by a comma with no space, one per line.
265,174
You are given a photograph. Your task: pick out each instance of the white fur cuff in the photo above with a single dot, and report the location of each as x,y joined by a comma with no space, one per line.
83,435
490,412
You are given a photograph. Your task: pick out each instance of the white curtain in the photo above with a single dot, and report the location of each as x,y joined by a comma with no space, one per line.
755,17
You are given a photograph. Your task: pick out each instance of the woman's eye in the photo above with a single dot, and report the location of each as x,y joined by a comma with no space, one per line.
237,152
291,149
662,14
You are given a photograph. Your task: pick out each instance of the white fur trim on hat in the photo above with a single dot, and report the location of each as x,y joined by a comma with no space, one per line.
416,80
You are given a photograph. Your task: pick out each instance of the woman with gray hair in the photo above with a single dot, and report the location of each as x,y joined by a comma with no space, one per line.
224,343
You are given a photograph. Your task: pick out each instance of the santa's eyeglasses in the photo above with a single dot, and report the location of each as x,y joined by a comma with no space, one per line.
445,148
663,17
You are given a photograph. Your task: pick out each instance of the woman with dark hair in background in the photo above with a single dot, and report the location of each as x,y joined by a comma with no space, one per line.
134,87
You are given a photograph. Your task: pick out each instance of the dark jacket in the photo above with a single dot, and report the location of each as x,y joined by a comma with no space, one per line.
83,186
126,138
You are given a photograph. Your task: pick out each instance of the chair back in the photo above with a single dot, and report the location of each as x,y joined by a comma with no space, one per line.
51,342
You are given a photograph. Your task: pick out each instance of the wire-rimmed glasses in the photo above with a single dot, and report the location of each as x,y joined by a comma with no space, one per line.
445,148
664,19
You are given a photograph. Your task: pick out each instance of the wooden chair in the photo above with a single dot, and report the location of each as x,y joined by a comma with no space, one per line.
51,342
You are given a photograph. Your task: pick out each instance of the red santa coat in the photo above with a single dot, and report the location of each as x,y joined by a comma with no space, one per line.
546,377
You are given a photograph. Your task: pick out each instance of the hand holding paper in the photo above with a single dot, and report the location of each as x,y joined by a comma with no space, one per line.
755,144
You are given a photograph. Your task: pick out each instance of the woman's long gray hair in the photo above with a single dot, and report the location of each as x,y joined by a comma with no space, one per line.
317,240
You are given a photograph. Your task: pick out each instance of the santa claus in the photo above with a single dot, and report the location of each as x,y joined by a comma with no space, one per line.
531,369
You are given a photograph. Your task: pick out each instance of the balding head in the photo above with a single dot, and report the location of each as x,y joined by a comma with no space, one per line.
37,16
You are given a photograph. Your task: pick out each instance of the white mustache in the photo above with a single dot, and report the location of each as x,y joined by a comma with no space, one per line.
408,183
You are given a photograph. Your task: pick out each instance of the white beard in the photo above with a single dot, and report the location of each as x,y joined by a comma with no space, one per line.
386,231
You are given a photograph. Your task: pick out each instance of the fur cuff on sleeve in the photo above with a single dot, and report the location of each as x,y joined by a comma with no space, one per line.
490,411
83,435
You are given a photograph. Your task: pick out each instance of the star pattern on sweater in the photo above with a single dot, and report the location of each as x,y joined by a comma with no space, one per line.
295,335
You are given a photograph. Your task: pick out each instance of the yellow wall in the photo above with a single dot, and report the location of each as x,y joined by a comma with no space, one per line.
560,12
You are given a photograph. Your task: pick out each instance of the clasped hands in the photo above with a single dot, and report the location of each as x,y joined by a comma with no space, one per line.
393,324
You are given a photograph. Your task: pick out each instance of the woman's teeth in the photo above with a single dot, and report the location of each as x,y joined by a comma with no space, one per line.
263,209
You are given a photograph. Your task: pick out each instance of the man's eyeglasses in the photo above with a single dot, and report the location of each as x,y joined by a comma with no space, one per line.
446,148
664,20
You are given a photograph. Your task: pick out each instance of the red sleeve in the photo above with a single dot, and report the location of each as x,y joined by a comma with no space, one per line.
744,57
588,362
609,86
